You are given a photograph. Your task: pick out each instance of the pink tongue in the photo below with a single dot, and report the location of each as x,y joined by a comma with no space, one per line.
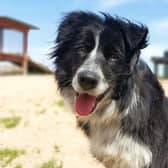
84,104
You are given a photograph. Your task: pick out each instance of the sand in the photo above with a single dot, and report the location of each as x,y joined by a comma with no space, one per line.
47,131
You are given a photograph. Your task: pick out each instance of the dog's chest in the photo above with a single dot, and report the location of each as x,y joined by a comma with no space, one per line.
117,150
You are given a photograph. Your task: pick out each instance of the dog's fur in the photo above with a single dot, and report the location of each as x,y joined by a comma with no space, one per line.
129,126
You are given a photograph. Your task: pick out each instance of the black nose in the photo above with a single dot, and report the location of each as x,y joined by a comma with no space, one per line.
88,80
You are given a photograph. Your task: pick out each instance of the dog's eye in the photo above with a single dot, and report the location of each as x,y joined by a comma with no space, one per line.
114,59
80,50
111,57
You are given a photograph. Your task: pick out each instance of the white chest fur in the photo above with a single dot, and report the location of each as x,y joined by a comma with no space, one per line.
118,150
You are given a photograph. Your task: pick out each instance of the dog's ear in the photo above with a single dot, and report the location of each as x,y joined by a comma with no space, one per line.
135,38
135,35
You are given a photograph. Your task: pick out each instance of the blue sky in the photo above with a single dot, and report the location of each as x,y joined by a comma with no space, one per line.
46,14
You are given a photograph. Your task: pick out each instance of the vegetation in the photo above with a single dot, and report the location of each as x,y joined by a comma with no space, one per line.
38,151
52,164
7,155
60,103
18,166
10,122
56,148
42,111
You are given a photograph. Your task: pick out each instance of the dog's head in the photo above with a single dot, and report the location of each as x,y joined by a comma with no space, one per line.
95,56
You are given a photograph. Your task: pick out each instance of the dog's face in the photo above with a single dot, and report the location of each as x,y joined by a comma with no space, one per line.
95,57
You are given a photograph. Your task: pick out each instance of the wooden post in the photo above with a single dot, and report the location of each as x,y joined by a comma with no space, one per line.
156,68
1,40
25,54
166,65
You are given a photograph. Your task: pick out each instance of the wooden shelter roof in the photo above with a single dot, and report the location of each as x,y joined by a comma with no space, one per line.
22,59
8,22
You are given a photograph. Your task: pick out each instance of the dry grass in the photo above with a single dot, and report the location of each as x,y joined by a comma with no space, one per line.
7,155
9,122
51,164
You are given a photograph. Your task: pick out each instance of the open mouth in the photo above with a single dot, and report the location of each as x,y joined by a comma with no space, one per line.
85,104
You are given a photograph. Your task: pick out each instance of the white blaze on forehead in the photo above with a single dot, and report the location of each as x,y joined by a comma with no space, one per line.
90,64
94,51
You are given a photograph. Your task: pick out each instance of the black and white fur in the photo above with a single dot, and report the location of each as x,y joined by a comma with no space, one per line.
129,125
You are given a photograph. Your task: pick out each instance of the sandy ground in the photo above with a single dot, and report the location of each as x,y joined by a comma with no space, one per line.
45,124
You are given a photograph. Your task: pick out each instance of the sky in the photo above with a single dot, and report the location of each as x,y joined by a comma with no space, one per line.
47,14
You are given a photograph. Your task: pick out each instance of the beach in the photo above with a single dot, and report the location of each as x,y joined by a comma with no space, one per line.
35,123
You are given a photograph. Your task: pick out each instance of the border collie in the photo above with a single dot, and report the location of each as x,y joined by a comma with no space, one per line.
118,101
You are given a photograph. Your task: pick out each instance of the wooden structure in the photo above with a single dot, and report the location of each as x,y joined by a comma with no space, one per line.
160,60
20,59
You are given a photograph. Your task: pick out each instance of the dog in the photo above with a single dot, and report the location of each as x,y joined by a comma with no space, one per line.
118,101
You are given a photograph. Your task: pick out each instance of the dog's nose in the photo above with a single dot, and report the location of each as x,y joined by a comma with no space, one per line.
88,80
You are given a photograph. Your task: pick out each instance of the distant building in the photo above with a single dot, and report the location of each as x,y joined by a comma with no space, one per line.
21,59
158,60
